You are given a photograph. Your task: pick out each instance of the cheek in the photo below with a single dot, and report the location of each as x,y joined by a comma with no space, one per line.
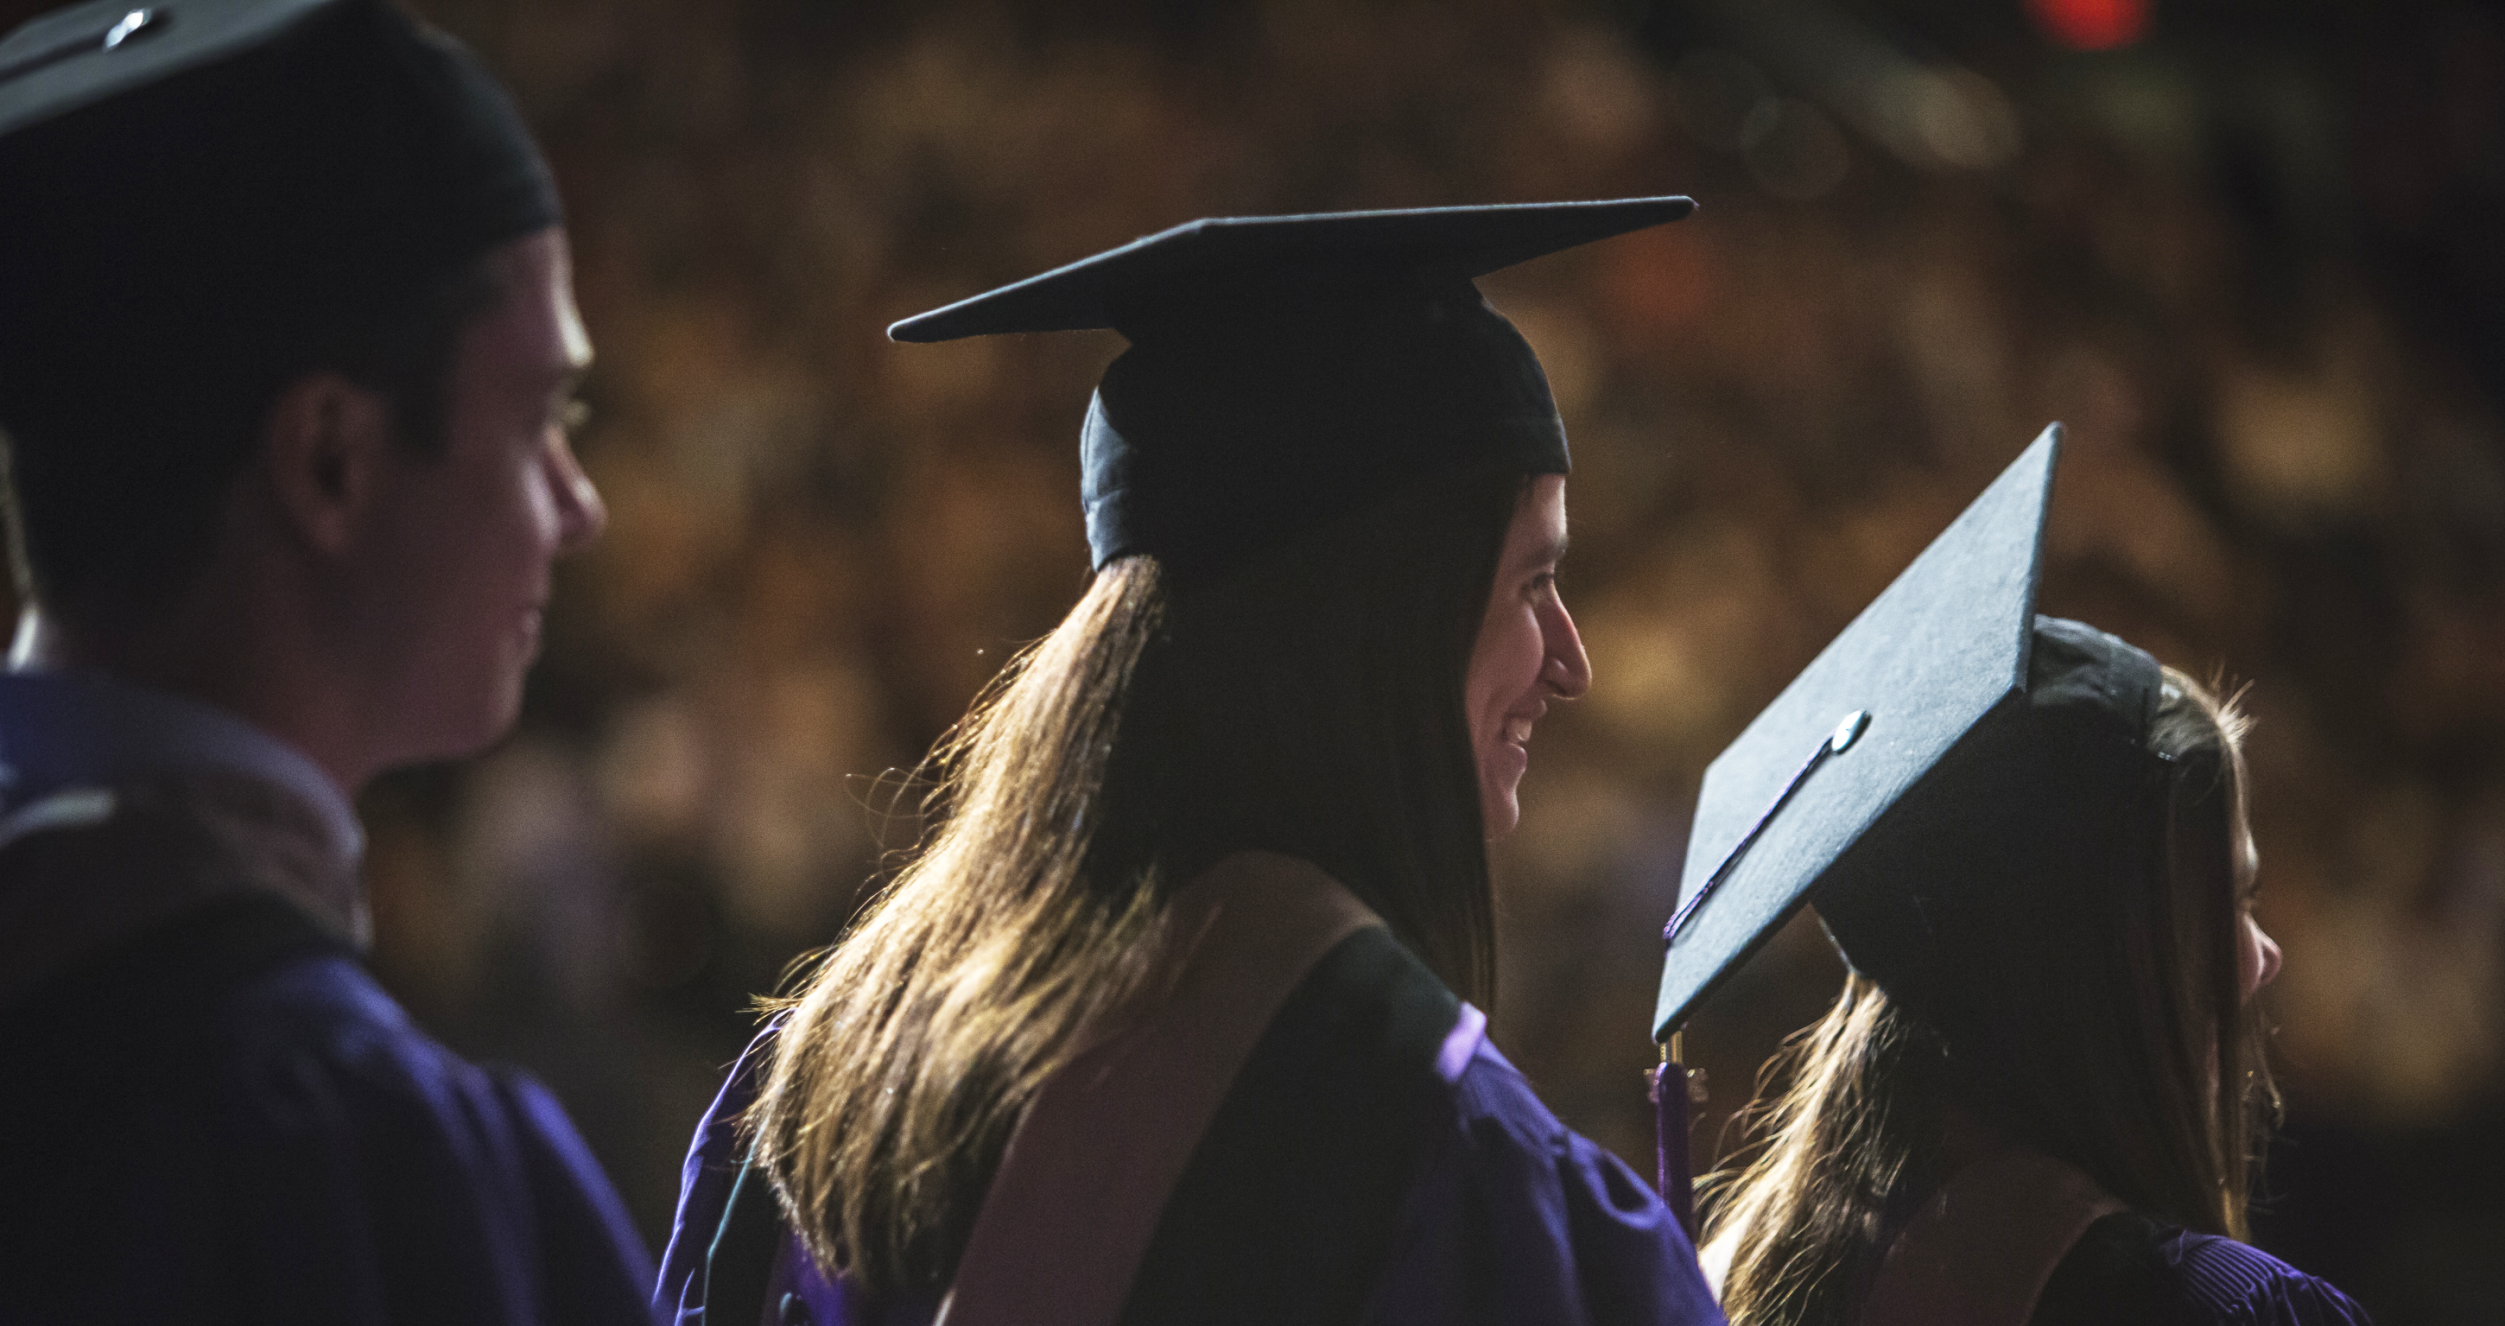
518,518
1505,664
488,561
539,485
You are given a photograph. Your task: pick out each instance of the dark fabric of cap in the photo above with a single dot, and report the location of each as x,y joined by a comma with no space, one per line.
1922,769
190,193
2042,801
1286,370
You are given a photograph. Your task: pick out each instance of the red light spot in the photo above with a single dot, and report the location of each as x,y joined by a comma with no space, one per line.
2091,25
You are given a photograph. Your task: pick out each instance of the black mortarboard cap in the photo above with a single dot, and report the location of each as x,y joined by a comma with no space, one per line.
187,187
1939,752
1285,370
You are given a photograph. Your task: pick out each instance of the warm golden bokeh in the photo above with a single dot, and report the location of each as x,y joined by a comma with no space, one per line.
2239,262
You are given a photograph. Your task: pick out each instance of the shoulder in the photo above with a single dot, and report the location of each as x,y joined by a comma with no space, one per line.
181,1014
2129,1267
324,1013
1496,1101
309,1042
710,1181
1504,1117
1508,1131
320,1060
1284,1208
1488,1128
2243,1283
271,1033
1516,1217
260,1107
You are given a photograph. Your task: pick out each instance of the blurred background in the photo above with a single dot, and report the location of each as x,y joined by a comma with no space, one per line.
2247,250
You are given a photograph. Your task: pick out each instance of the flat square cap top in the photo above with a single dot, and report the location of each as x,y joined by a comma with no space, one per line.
1854,738
1160,278
74,57
1285,370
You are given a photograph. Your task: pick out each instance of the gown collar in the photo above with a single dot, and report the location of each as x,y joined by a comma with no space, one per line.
124,809
66,730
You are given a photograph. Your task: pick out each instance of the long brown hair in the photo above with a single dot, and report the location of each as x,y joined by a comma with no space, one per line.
1309,701
2129,1053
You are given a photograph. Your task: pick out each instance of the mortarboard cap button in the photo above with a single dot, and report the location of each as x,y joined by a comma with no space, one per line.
133,25
1848,731
129,27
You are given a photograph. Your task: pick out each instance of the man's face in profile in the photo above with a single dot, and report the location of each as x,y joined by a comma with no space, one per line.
467,535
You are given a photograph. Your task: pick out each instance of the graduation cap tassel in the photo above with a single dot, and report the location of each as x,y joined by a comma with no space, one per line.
1836,743
1675,1176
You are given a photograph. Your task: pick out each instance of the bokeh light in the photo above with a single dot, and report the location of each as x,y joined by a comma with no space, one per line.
2091,25
2250,262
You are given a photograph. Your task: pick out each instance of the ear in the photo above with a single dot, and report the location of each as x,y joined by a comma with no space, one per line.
324,452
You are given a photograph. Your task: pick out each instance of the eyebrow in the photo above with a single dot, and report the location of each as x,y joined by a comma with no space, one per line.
1552,551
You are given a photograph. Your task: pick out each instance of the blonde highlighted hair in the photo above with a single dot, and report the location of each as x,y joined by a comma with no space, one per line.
1307,702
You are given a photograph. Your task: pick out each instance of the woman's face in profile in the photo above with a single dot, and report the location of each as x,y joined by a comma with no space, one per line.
2256,953
1527,651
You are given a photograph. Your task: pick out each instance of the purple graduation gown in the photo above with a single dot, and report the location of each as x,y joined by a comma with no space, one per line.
2130,1268
2017,1237
1375,1160
209,1112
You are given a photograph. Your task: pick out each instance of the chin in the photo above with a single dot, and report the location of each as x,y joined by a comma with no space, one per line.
1499,818
497,723
459,731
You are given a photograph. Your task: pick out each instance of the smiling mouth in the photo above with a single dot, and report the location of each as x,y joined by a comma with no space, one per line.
1517,729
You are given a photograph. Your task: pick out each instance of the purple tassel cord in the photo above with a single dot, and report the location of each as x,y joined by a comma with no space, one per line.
1670,1128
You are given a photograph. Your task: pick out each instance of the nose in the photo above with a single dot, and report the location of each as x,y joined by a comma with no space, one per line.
581,515
1568,670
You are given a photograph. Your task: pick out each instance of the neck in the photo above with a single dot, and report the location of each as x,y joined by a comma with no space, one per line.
1966,1139
223,655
